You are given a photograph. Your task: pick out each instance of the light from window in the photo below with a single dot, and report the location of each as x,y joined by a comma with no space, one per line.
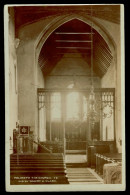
55,106
72,106
84,108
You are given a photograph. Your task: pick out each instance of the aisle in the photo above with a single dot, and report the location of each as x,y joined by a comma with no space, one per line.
83,176
75,158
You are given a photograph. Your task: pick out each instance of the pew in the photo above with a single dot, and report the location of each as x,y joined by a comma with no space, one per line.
37,169
112,173
106,158
100,147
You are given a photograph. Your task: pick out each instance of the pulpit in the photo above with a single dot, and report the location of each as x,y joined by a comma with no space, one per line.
22,140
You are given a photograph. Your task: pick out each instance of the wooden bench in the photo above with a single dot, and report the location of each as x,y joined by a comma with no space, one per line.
100,147
105,158
49,168
112,173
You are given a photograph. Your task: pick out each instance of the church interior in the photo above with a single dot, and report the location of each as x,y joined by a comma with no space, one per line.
65,109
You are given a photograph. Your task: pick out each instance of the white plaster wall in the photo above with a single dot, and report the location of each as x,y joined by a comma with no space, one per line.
13,101
30,78
71,70
113,77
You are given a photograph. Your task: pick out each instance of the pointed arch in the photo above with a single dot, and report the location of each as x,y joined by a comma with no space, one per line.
60,20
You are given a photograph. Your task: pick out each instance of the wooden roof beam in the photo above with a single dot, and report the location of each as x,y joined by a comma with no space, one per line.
73,47
102,64
103,57
75,41
105,51
68,33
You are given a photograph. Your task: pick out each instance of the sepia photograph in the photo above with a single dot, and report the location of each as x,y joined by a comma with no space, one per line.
64,97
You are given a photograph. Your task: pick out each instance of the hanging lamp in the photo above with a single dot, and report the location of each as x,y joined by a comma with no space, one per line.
92,114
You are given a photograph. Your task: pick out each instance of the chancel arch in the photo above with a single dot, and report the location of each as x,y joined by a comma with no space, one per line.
60,20
64,56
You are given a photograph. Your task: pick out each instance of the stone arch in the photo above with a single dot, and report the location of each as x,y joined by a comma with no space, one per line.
60,20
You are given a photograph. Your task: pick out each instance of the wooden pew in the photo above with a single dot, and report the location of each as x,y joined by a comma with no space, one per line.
100,147
49,168
105,158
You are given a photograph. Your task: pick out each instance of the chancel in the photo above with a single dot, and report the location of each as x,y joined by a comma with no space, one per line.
65,94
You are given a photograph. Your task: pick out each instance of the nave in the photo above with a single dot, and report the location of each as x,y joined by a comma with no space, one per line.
54,168
50,169
65,95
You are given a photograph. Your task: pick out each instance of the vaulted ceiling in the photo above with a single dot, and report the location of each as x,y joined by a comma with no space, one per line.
73,38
